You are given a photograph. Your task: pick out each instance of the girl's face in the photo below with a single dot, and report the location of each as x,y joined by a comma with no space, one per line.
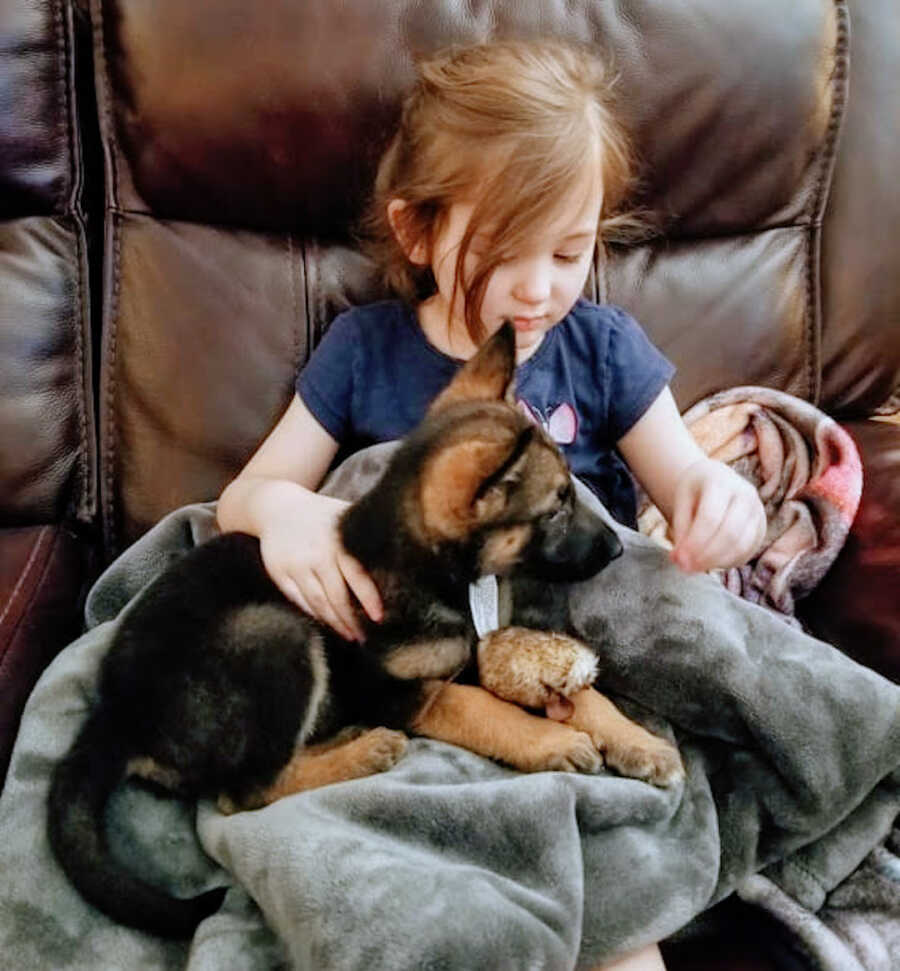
535,288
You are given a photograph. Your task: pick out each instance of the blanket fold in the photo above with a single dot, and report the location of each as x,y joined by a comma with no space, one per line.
450,861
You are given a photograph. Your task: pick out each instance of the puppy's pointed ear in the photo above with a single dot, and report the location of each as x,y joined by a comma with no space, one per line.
469,482
488,376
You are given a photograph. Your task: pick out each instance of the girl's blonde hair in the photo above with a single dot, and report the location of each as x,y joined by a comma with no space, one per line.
512,127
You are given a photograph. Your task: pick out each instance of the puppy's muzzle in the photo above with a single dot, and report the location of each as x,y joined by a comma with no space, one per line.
577,547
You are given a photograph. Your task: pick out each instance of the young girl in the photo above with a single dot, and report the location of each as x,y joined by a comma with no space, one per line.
490,204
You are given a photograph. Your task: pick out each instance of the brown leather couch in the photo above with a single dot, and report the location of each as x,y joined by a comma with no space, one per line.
178,188
50,178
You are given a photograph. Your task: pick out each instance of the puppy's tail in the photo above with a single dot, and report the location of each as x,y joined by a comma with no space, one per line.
82,784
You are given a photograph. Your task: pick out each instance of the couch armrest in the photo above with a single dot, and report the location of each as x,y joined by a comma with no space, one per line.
43,570
855,607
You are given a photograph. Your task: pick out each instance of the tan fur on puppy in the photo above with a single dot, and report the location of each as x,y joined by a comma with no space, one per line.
469,716
627,747
337,760
503,548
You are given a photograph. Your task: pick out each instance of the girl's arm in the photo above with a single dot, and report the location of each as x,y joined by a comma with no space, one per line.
273,498
716,516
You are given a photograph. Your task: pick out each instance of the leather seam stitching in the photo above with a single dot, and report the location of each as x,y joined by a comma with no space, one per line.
44,531
67,129
64,130
839,80
110,436
109,430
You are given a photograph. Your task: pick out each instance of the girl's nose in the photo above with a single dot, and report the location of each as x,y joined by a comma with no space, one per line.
532,283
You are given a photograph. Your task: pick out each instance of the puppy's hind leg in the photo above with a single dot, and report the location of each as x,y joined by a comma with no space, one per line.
337,760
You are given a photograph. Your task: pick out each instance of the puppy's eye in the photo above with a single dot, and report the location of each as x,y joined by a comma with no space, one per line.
562,507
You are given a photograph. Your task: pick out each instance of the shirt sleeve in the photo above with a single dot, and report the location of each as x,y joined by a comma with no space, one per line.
325,384
637,371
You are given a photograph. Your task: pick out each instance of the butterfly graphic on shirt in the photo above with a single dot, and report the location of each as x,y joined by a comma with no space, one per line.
560,422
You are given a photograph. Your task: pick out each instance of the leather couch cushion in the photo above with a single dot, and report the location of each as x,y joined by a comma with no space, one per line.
47,448
42,573
861,230
38,170
47,438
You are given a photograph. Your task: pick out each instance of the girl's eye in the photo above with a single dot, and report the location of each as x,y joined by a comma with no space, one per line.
568,257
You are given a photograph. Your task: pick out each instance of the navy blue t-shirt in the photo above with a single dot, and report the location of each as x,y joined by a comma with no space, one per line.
593,375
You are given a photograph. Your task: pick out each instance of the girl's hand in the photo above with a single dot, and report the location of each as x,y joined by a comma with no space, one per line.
717,519
274,498
303,554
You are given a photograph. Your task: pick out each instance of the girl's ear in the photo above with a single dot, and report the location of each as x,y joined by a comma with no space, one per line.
414,245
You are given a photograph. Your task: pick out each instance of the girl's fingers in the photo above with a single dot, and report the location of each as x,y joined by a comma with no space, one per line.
750,540
314,601
692,550
290,589
337,609
725,549
682,516
753,534
325,595
362,585
717,519
735,541
743,531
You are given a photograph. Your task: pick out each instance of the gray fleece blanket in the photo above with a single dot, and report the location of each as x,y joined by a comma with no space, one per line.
449,861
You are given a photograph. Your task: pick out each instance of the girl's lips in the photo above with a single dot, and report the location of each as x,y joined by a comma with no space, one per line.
526,323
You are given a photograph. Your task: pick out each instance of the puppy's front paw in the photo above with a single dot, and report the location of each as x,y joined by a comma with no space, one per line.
645,756
380,749
560,749
627,746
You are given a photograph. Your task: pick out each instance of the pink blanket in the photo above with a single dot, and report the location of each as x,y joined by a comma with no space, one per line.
809,476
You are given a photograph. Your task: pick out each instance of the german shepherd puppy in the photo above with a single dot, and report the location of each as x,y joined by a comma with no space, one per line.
215,686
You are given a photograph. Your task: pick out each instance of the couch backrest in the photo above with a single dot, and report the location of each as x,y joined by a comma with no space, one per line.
860,240
47,436
241,140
